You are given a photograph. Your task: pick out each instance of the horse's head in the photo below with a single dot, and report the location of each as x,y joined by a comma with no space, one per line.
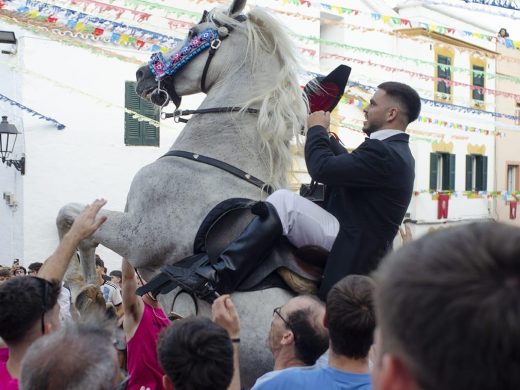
210,48
246,61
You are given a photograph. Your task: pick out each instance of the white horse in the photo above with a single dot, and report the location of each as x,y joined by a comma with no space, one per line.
255,68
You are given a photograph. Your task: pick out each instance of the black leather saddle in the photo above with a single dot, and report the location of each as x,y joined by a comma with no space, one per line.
228,219
297,269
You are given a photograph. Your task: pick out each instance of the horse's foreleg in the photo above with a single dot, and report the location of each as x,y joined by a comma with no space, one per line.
110,234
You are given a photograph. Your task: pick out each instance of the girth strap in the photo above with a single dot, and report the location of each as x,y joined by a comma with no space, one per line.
222,165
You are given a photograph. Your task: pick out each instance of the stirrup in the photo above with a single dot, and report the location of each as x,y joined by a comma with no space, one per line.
206,291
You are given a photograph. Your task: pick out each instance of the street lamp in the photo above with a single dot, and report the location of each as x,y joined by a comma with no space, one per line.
8,136
8,37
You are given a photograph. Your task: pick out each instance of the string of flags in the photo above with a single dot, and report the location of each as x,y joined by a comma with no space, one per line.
423,76
452,107
395,21
504,195
12,102
96,28
74,16
497,3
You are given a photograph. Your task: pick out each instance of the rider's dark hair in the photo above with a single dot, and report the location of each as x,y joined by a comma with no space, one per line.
351,317
448,307
311,338
23,301
406,96
196,354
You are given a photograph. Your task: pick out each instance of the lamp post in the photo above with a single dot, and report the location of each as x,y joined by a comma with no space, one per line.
8,37
8,136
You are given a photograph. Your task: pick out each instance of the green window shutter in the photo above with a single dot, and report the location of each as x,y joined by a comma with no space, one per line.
451,172
469,172
478,81
443,72
149,132
484,173
139,132
132,125
481,173
433,171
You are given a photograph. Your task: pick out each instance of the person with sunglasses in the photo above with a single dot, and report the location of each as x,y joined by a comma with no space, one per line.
350,319
29,306
297,337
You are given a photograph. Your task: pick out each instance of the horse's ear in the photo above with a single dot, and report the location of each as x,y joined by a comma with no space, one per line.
236,7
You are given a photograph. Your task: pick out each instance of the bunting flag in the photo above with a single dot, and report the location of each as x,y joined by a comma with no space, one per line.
395,21
390,21
451,107
503,194
12,102
127,39
379,53
95,28
497,3
102,29
432,121
423,76
511,14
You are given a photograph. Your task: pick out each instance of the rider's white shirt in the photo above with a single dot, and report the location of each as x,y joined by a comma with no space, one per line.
384,134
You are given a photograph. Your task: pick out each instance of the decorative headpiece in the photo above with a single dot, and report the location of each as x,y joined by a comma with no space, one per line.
161,67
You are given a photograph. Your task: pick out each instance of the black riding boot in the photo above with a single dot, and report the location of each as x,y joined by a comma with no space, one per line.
235,262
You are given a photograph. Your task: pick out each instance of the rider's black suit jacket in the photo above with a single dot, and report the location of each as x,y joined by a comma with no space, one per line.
368,191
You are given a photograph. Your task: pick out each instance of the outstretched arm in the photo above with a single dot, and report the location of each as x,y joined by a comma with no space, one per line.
225,315
83,227
133,305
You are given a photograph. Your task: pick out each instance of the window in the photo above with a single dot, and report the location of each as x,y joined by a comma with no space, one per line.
444,74
442,171
513,183
476,172
140,132
444,57
478,81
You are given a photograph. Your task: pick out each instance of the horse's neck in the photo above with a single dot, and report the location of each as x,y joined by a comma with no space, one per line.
230,137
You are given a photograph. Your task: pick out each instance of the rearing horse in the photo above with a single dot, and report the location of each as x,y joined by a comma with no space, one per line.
254,67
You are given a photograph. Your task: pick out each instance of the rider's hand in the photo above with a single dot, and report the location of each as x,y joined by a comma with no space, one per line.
224,314
319,118
87,222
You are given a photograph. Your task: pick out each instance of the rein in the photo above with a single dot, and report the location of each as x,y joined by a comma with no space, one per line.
177,114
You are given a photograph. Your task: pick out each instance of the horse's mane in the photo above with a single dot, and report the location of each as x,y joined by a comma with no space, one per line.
283,110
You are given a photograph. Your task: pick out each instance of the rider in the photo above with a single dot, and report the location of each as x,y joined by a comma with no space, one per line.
368,192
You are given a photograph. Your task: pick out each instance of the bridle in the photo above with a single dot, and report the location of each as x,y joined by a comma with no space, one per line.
211,40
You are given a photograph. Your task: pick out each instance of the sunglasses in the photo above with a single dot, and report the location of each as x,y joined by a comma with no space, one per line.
277,311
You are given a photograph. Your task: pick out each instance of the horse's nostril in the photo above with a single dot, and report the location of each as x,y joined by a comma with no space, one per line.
139,74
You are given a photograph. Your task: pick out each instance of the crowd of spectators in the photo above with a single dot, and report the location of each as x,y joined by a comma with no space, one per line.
441,312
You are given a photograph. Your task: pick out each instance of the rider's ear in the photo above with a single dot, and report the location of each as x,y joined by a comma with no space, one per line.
237,6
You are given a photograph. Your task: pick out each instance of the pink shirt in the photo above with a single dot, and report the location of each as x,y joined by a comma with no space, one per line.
4,354
6,381
143,366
